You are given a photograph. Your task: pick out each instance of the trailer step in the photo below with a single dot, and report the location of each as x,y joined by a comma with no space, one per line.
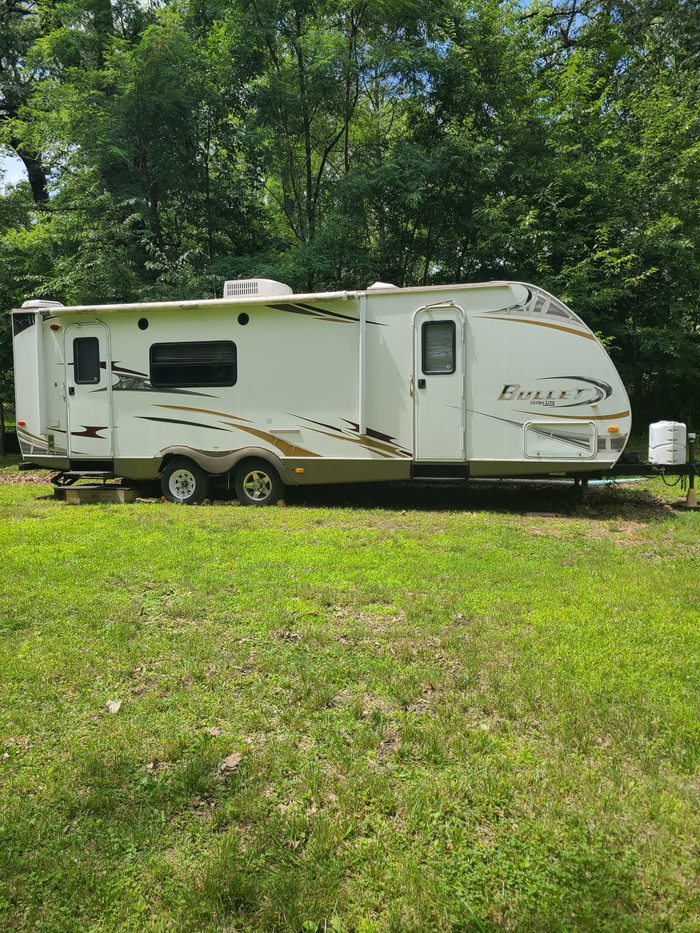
69,477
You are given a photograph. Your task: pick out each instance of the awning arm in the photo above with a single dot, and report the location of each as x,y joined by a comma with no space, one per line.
362,375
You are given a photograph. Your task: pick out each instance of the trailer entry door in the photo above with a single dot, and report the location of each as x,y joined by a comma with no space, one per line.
439,385
88,391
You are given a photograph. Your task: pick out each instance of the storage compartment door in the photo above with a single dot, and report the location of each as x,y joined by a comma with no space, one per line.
560,440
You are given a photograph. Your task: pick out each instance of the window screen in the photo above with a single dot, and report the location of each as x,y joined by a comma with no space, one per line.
206,363
438,347
86,360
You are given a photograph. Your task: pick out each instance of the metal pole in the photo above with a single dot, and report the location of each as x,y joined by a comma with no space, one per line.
362,374
691,500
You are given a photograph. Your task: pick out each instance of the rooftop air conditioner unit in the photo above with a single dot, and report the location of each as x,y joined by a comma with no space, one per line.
255,288
42,303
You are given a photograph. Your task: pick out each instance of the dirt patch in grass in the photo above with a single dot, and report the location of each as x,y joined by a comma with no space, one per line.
618,531
377,620
422,705
622,533
12,477
389,744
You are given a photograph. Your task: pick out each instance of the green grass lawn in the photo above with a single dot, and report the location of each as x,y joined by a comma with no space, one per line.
444,714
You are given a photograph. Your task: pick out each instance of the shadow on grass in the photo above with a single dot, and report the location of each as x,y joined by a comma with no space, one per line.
622,501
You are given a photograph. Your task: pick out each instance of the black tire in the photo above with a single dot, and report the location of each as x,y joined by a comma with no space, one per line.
184,482
257,483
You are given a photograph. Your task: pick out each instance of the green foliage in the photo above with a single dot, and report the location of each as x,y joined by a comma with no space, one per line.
329,143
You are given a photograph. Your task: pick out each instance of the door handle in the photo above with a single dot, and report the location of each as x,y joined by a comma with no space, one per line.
410,386
71,390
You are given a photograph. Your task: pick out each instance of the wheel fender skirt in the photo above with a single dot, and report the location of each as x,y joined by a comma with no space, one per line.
217,462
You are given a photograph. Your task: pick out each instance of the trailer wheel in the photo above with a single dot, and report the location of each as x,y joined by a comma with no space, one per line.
258,483
184,482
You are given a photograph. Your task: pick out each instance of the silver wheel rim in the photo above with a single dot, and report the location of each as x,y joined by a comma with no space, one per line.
257,485
182,484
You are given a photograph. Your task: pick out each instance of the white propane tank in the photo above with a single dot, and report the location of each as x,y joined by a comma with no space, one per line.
667,443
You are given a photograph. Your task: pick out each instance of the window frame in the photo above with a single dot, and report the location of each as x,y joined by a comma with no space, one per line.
182,384
77,366
438,372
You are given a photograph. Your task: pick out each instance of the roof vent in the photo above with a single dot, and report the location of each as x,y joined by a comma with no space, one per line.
380,285
255,288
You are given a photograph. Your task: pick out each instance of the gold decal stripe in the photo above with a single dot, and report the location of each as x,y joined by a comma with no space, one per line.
519,320
290,450
284,447
381,448
551,414
204,411
372,445
31,437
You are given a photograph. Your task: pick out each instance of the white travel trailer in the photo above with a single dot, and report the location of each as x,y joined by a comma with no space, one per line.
269,388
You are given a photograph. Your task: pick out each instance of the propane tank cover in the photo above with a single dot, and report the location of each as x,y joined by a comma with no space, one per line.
667,443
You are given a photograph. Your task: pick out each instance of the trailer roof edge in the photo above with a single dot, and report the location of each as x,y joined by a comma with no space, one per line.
200,303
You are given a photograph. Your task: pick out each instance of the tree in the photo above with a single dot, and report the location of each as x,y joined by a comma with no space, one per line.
329,143
19,29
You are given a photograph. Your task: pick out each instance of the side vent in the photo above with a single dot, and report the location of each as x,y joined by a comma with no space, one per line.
255,288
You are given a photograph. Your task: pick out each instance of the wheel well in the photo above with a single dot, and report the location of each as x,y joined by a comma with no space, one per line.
168,458
173,455
244,461
220,464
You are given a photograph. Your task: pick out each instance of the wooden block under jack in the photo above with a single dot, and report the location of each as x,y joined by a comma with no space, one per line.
94,494
690,501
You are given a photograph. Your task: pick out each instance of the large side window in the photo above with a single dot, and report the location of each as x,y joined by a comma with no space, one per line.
205,363
86,360
439,338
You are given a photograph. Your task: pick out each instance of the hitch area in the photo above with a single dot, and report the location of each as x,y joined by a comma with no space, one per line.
684,473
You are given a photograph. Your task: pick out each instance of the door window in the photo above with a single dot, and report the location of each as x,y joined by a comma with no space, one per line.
439,348
86,360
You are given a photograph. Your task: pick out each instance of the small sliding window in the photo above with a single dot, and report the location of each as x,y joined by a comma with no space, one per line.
204,363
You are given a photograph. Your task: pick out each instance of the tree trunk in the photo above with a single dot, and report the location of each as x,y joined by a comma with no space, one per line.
103,17
151,192
36,173
103,20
